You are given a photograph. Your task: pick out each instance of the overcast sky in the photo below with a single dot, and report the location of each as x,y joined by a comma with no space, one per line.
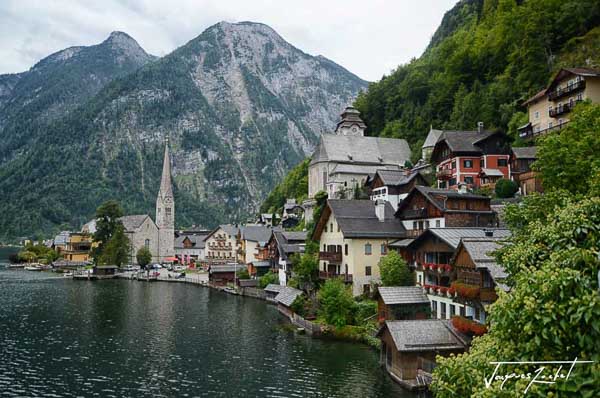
368,37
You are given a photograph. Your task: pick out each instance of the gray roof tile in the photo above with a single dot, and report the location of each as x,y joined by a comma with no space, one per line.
402,295
357,218
131,223
287,295
424,335
365,150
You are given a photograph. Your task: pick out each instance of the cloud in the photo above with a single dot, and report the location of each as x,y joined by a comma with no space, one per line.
369,38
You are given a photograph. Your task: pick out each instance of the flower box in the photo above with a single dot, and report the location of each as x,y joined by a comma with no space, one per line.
468,326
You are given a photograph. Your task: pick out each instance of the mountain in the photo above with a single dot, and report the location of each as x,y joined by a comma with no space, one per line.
482,62
240,107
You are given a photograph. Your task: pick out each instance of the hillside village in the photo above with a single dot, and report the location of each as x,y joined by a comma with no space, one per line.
367,203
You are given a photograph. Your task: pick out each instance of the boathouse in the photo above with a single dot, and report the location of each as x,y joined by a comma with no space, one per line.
409,348
402,303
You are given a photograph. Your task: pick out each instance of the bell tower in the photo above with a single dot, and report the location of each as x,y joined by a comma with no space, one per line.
351,123
165,210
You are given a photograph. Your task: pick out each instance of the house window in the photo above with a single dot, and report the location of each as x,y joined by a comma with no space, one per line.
580,97
454,164
536,115
549,109
433,309
437,223
420,279
168,210
452,312
324,248
368,249
414,225
368,270
482,162
468,180
550,125
147,243
383,249
338,227
420,225
331,227
502,162
346,249
443,310
325,228
427,224
467,164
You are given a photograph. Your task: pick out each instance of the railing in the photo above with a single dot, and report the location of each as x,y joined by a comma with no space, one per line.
528,133
414,213
564,108
329,275
561,92
332,257
444,174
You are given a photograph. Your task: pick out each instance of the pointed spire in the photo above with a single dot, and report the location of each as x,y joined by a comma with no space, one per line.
166,189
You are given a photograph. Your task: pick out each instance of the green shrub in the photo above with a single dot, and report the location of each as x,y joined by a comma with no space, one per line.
506,188
267,279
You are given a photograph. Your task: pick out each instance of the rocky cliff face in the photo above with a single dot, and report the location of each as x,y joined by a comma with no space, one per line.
239,104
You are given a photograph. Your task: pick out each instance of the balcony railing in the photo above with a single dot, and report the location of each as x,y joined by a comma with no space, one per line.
440,268
528,133
562,109
414,213
444,174
561,92
331,257
328,275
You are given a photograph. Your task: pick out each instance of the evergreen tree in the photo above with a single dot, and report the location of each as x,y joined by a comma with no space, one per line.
107,221
394,271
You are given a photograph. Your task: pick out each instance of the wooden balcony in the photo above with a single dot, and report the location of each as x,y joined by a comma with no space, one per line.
414,213
561,92
444,174
347,278
331,257
562,109
528,133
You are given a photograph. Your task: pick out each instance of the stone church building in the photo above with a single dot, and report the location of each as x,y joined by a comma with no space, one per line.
159,236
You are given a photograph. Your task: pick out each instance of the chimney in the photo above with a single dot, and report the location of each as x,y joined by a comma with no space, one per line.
480,127
462,188
489,233
380,209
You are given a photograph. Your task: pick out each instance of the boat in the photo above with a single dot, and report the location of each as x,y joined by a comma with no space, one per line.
32,267
68,274
16,266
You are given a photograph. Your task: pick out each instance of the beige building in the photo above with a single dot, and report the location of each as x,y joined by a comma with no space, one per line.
251,239
353,235
549,109
222,245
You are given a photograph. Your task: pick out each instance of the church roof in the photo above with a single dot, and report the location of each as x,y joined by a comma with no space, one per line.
358,149
131,223
351,116
432,138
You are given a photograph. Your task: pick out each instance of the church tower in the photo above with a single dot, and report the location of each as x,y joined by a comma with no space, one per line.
351,123
165,211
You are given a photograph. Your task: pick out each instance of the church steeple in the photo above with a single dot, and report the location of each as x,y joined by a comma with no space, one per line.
165,202
166,189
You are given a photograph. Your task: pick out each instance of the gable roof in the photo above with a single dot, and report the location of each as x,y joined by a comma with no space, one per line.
229,229
273,288
289,242
402,295
437,197
395,177
464,141
432,137
361,150
452,236
132,223
287,295
256,233
424,335
197,240
357,219
561,74
527,152
480,249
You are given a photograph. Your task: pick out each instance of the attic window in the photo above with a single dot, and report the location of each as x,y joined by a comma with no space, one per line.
349,156
380,159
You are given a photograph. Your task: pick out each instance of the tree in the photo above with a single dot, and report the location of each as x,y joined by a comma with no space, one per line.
506,188
243,274
144,257
569,160
551,313
394,270
306,266
336,303
116,252
107,220
267,279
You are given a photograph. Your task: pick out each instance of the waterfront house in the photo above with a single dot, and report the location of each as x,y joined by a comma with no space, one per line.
104,271
279,251
393,185
60,241
426,207
78,247
401,303
141,231
475,158
189,246
251,238
353,236
221,245
409,349
477,275
258,268
223,274
521,160
549,109
432,260
343,160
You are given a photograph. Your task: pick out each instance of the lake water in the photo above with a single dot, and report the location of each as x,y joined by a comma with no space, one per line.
65,338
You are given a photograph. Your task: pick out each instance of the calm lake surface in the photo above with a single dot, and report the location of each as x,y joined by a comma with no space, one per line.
65,338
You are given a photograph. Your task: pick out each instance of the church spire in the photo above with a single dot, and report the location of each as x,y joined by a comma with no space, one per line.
166,188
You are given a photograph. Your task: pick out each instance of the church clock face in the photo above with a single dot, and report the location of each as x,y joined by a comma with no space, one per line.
354,129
